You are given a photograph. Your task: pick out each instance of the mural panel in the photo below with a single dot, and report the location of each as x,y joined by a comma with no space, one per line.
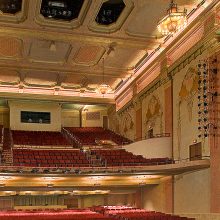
185,101
152,113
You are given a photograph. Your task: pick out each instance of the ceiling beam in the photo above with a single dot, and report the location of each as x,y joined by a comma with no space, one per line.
63,71
138,43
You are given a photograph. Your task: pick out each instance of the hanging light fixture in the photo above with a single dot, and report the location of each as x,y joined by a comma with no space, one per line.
103,88
174,21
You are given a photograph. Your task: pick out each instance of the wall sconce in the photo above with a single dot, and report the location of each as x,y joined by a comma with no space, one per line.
194,141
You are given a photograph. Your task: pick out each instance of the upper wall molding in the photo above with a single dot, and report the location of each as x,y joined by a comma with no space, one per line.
199,24
197,39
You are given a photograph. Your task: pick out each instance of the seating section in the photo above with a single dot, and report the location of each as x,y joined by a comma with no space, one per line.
89,135
49,158
39,138
129,213
83,214
77,158
6,139
1,134
96,213
122,157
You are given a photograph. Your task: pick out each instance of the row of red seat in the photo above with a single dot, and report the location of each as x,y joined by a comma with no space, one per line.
129,213
96,213
39,138
49,158
76,158
119,157
51,215
88,136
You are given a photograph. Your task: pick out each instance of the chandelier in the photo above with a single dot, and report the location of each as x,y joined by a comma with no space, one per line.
174,21
103,88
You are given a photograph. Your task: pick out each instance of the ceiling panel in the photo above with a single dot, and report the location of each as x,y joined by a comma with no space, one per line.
49,51
10,47
88,55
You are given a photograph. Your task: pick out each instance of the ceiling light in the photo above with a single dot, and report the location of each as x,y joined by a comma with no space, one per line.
50,185
174,21
52,46
103,88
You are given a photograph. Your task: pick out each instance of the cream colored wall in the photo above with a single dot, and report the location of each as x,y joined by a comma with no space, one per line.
110,199
70,118
152,148
158,197
157,120
202,216
153,198
15,116
120,199
93,123
93,200
192,192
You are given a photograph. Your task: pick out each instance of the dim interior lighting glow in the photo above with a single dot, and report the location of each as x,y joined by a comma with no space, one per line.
50,185
174,21
52,46
103,88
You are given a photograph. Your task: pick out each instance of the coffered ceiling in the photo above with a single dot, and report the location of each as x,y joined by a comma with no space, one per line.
62,57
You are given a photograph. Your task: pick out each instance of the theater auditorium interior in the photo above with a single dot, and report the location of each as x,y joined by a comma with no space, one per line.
109,109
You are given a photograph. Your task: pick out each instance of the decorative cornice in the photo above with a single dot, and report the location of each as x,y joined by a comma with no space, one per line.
208,44
195,20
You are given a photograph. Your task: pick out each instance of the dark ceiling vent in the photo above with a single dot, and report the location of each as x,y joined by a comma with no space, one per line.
61,10
110,12
10,6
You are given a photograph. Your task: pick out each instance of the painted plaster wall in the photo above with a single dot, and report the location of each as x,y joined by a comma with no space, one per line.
188,189
93,123
192,192
153,112
152,148
123,123
70,118
158,197
15,116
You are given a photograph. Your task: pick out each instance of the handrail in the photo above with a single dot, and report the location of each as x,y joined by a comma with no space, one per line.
73,137
78,169
160,135
192,159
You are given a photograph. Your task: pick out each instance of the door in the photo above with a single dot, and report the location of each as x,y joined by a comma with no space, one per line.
195,151
105,122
